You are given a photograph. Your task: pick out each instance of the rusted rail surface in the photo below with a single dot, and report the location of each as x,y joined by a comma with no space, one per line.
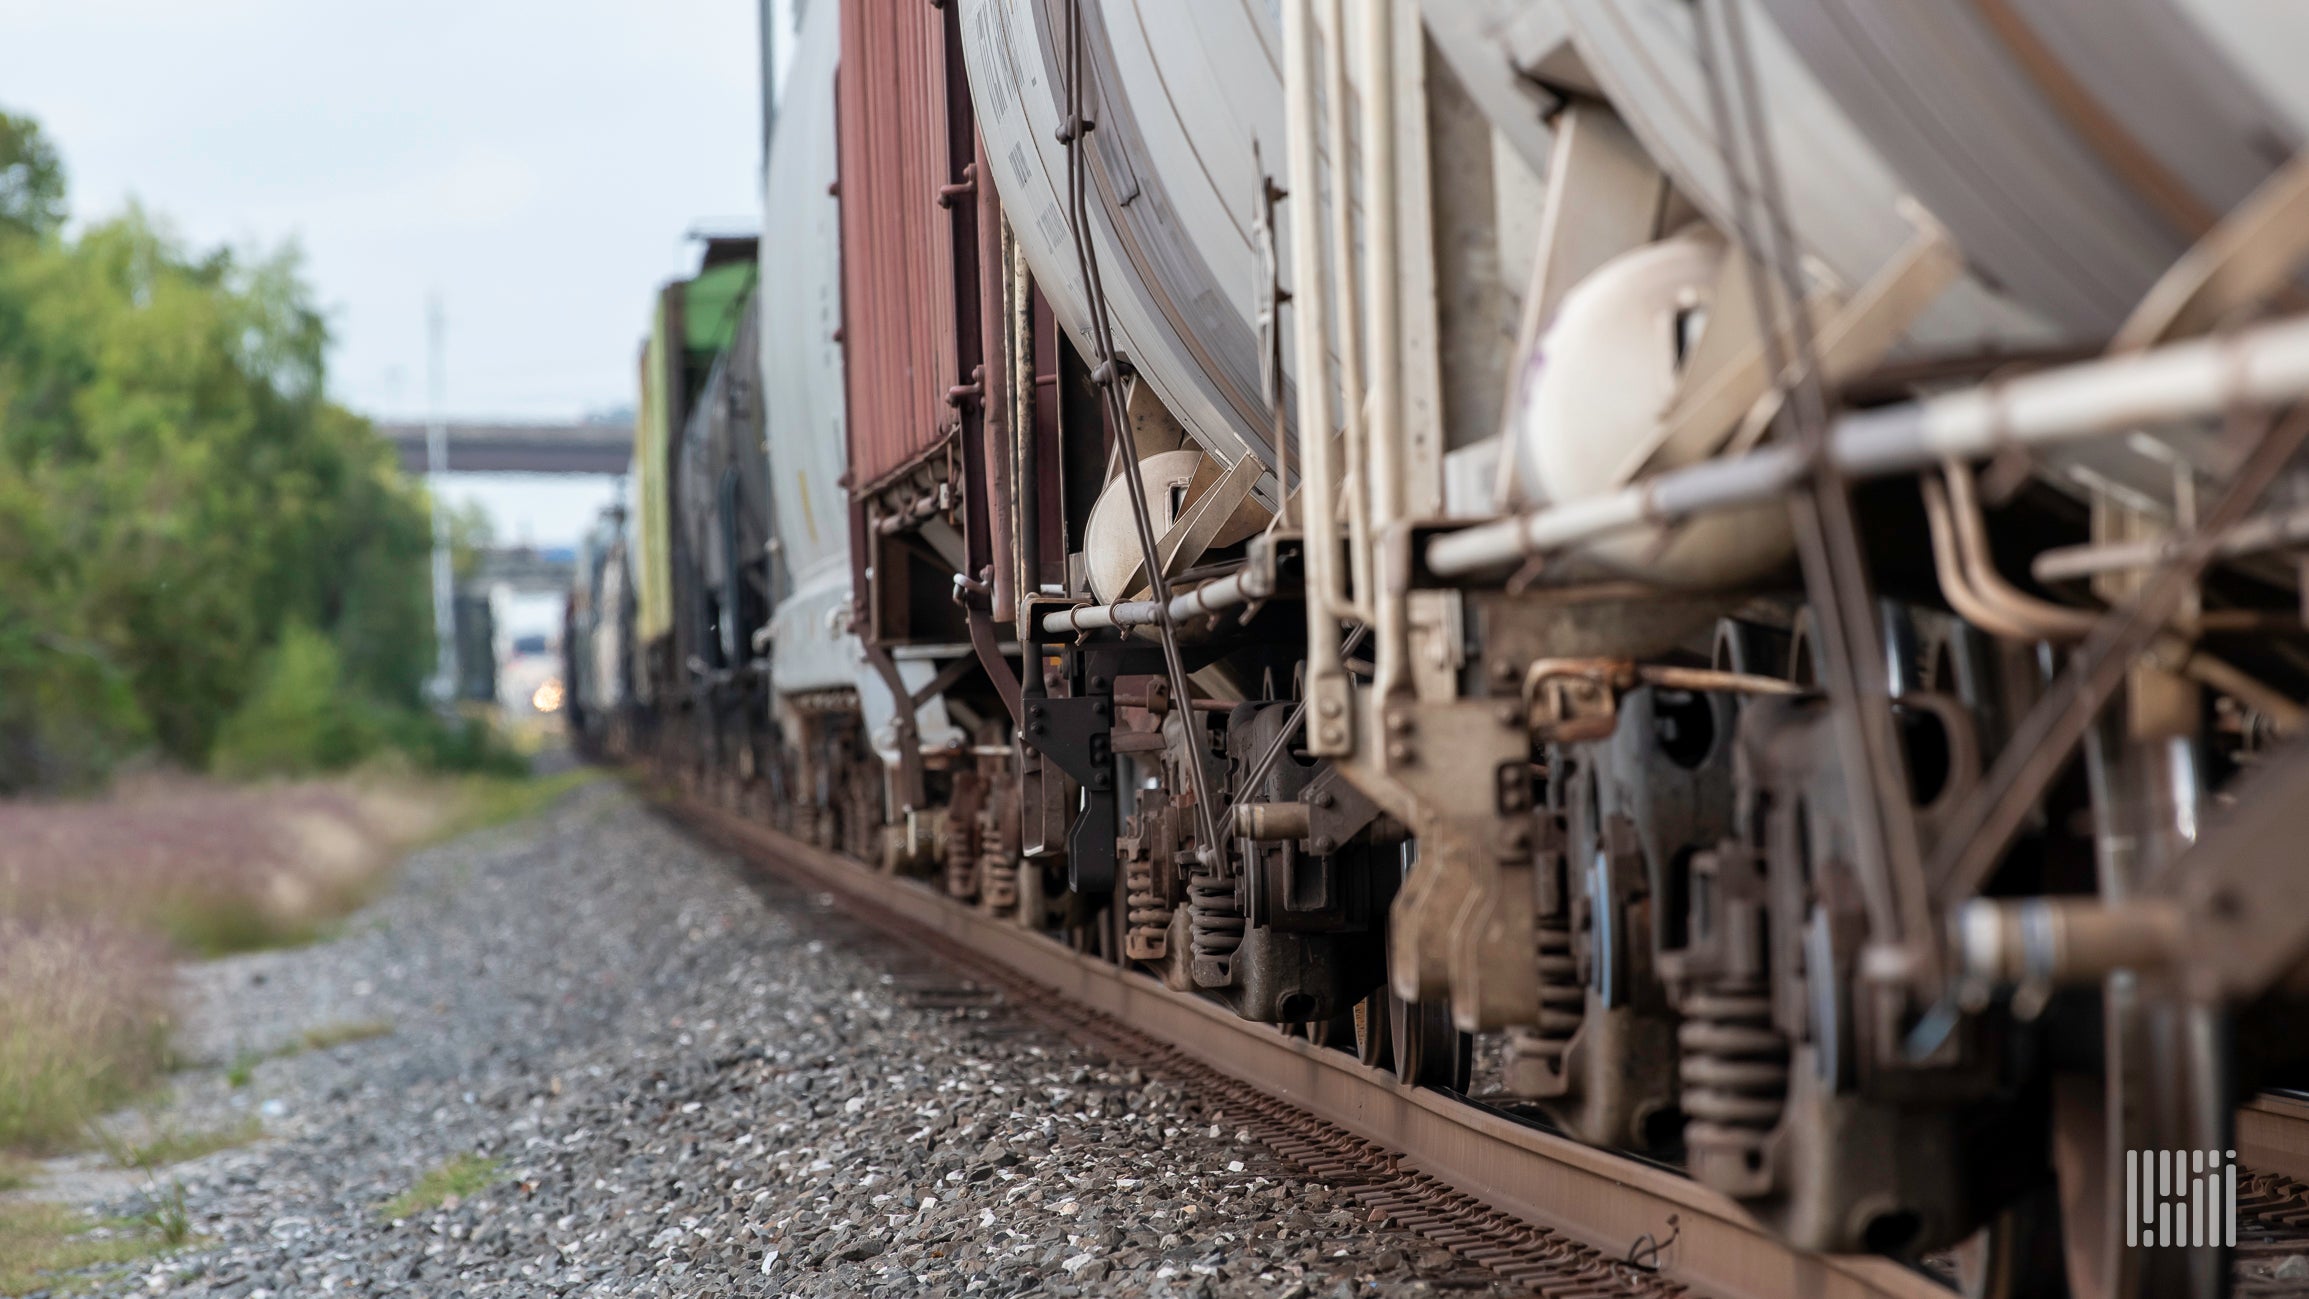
1529,1205
2273,1134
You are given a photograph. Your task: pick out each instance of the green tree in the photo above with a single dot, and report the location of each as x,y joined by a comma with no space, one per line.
176,490
471,534
31,177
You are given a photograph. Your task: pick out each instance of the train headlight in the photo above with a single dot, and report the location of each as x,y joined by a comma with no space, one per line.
547,698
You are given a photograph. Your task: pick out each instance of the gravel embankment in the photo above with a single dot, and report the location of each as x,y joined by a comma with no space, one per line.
684,1086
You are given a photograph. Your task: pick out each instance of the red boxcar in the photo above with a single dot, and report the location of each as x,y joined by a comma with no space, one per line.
906,139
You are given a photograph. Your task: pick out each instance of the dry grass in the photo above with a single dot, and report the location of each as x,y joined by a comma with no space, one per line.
96,895
216,868
83,1021
330,1036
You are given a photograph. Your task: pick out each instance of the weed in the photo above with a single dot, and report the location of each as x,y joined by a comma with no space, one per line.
457,1178
40,1243
174,1146
243,1070
485,801
16,1172
167,1218
342,1033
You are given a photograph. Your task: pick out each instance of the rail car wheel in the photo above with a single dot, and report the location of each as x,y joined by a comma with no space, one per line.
1429,1051
1095,935
1340,1030
1114,930
2171,1092
1372,1044
2080,1151
2017,1255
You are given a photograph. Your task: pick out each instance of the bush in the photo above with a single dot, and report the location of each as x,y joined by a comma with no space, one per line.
458,745
304,717
300,718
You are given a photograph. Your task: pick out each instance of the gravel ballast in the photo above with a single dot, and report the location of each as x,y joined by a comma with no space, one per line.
585,1055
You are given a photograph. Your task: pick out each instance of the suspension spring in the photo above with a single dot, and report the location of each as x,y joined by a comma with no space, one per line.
1215,919
1735,1070
1562,1000
998,849
1147,911
998,883
961,854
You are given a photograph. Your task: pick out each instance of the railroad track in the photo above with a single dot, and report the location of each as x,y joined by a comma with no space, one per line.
1519,1201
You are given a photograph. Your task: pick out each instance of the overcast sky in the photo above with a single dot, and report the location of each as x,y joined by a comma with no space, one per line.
537,162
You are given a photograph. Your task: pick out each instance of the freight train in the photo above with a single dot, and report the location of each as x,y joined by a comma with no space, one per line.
1748,551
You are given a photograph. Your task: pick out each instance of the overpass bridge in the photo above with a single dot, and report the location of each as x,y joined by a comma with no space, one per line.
524,568
485,448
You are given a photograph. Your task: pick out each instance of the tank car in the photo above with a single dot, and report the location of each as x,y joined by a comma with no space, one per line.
1746,550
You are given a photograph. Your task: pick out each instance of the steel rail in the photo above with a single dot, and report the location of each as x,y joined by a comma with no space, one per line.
1600,1199
2273,1134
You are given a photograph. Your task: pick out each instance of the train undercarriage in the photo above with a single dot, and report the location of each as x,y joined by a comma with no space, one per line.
1843,752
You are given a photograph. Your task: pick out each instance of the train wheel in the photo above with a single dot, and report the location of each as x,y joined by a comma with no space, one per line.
2080,1151
1338,1031
2017,1255
1373,1046
1031,911
1094,935
2172,1093
1429,1050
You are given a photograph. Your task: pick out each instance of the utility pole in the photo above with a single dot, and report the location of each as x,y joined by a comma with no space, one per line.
436,466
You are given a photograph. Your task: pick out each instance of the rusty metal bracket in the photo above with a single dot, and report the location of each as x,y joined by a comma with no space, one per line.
990,657
949,195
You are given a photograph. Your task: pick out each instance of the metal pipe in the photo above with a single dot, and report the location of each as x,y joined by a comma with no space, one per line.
1246,586
1955,581
1027,500
2047,621
1353,468
2263,532
996,347
1102,617
2174,652
2265,365
1272,822
444,683
2066,941
1670,677
1388,461
1310,315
